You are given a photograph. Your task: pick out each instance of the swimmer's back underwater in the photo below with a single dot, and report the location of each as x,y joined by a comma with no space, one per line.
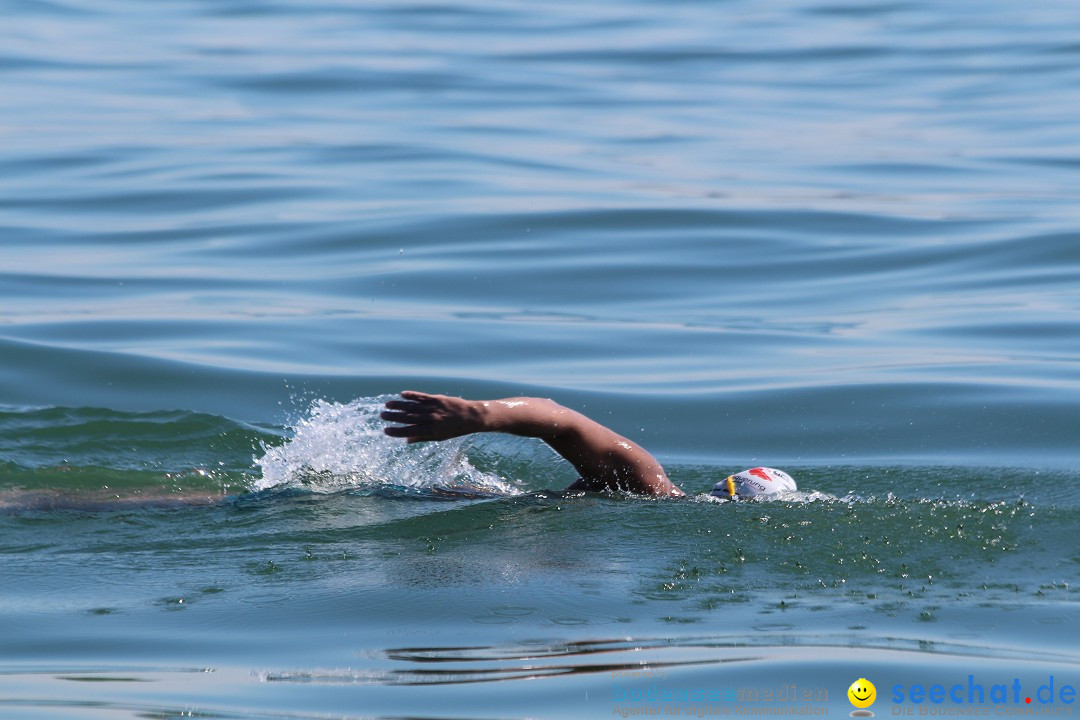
15,501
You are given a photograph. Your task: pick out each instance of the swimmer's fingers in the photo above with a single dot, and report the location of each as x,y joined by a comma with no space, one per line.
430,417
415,402
414,394
398,417
406,418
418,397
411,433
408,406
414,422
423,431
408,412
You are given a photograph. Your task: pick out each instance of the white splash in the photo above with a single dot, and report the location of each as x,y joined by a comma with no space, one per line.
342,447
791,496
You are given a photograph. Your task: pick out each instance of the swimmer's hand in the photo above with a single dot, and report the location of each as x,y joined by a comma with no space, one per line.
424,417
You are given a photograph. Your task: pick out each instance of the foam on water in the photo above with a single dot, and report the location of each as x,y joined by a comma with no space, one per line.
340,447
793,496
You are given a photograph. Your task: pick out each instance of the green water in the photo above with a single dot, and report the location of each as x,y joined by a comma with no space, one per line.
344,566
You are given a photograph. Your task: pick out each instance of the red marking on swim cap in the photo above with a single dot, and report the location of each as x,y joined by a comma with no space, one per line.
760,472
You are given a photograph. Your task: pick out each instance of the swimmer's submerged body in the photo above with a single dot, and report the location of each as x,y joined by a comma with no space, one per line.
604,459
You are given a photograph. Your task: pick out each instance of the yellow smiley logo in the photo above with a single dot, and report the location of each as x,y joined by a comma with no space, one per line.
862,693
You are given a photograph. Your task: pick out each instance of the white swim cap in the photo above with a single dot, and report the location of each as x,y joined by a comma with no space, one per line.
753,482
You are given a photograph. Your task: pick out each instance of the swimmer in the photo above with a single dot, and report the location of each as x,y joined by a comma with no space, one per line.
604,459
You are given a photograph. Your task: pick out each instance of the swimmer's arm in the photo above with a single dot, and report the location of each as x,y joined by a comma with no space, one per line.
604,459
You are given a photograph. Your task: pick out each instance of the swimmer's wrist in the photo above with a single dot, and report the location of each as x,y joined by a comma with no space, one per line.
480,412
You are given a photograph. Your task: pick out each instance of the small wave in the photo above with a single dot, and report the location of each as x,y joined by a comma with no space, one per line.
165,443
341,447
886,500
647,658
795,497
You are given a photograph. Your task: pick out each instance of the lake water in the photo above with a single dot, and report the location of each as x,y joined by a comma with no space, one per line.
838,237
